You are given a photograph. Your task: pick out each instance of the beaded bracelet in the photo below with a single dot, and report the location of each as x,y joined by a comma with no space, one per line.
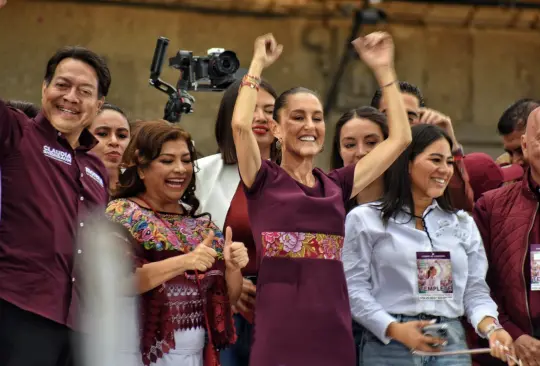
251,81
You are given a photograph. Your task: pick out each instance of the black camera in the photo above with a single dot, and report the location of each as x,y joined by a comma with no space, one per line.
214,72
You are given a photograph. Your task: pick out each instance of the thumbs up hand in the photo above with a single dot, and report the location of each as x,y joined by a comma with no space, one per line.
203,257
234,253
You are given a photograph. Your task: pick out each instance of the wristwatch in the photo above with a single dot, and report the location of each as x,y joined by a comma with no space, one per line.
492,328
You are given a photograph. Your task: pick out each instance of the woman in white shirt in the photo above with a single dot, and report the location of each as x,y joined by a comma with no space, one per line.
390,247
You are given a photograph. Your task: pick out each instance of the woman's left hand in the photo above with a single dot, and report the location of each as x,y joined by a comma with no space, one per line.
234,252
501,344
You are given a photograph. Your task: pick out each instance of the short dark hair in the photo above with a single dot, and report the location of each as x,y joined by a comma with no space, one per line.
516,115
368,113
281,101
397,183
223,127
28,108
404,87
88,57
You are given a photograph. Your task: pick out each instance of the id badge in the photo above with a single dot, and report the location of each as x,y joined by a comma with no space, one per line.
434,273
535,267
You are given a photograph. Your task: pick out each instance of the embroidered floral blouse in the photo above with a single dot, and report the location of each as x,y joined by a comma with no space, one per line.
180,303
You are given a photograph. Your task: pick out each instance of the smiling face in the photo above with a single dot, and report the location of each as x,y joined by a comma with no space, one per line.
111,129
431,171
70,101
301,127
168,176
357,138
262,118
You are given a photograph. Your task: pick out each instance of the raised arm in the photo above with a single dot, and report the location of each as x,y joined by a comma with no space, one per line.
266,52
377,51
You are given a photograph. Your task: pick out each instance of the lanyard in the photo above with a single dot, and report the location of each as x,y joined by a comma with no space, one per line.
424,226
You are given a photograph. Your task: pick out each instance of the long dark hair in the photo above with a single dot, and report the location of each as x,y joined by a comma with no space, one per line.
369,113
144,147
397,187
223,127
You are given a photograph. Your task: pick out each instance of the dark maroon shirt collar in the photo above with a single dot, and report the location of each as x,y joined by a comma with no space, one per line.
87,141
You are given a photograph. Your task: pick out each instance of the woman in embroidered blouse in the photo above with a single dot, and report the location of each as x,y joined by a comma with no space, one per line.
391,248
168,243
297,213
111,128
221,194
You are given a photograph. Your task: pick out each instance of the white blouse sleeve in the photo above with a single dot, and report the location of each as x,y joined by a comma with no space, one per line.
357,252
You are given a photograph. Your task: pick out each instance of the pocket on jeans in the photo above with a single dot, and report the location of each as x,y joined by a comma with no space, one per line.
456,333
367,336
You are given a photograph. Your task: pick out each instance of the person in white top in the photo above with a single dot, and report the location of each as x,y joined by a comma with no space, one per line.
410,261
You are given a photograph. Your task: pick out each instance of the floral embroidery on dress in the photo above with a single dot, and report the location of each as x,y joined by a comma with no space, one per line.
184,235
302,245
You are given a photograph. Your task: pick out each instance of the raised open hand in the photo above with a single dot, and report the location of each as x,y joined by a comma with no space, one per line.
376,50
267,50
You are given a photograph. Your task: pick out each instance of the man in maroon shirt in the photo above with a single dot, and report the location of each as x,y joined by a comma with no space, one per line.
509,220
50,185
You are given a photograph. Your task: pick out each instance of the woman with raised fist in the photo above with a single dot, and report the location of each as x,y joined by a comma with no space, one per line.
297,212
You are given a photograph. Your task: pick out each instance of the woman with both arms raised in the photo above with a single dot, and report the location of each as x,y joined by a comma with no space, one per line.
297,213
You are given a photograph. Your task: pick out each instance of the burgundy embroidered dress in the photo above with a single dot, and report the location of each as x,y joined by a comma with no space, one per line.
175,311
302,314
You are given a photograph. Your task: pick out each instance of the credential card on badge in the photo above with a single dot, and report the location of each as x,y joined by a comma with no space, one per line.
434,273
535,267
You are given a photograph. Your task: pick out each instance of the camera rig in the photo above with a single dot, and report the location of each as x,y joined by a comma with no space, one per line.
214,72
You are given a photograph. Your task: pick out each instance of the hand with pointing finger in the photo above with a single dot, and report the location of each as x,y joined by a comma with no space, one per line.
234,253
433,117
203,257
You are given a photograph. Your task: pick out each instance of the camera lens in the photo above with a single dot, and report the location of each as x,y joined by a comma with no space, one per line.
225,63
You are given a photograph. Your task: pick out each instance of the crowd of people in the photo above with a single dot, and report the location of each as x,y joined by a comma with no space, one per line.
410,251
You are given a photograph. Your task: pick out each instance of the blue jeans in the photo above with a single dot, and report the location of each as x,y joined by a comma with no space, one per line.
238,353
374,352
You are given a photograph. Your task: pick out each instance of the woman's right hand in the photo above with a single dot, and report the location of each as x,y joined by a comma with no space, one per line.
246,302
266,51
203,257
410,334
